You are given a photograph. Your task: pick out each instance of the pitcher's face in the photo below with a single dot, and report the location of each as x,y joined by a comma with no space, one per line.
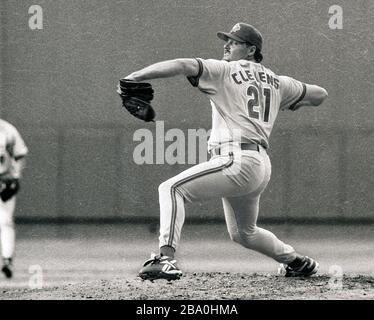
234,50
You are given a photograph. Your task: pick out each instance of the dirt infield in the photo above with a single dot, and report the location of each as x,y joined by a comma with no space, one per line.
102,262
207,286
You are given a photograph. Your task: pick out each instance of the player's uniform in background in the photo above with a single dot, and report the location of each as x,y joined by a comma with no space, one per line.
246,98
12,149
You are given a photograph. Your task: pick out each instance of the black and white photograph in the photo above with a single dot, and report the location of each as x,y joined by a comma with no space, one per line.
211,151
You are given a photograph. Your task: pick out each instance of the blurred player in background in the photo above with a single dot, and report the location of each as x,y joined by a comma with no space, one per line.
12,161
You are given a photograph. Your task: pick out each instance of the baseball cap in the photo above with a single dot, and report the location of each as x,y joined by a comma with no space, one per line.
243,32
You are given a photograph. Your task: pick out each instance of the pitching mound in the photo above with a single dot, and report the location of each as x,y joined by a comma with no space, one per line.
206,286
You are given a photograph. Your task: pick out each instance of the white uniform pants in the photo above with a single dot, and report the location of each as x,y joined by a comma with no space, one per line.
238,177
7,229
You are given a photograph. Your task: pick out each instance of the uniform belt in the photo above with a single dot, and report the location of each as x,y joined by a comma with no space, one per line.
243,146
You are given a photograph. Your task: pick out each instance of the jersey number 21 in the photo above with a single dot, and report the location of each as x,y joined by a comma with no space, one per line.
255,102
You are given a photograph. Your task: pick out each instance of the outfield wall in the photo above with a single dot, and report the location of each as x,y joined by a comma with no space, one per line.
58,87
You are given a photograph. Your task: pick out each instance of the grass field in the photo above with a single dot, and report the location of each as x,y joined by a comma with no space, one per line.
102,261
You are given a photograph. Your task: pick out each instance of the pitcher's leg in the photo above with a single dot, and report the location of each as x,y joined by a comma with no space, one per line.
172,215
201,182
241,217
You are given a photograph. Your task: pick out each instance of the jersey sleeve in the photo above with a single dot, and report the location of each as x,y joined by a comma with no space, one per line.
292,92
210,76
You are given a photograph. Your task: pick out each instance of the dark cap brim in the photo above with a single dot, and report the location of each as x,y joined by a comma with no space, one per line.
225,36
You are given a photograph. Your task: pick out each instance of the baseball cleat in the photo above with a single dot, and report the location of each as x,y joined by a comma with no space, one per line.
7,268
305,268
160,267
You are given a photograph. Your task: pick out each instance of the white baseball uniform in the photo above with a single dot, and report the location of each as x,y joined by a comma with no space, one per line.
12,148
245,98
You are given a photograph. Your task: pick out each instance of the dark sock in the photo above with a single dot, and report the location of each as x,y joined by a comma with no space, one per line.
167,251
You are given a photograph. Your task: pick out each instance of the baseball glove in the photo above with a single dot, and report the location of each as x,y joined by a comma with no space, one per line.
136,98
9,188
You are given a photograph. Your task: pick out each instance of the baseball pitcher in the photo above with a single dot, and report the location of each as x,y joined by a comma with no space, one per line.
12,153
245,97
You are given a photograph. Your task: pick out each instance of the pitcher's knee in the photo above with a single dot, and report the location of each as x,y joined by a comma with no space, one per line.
245,237
169,186
165,186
